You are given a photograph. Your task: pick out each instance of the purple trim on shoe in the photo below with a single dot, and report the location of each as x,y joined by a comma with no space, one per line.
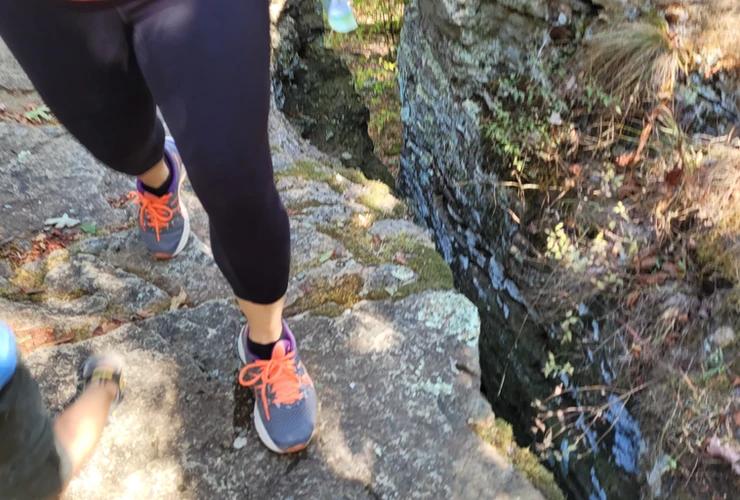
287,335
171,163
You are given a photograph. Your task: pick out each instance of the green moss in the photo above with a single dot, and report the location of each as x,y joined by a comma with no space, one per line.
310,170
330,310
29,278
303,205
329,297
433,271
353,175
500,435
296,269
380,200
315,171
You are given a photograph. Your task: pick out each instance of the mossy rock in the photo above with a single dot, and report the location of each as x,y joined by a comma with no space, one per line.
430,267
500,435
329,299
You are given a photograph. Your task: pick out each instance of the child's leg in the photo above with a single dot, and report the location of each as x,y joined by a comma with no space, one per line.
38,458
79,428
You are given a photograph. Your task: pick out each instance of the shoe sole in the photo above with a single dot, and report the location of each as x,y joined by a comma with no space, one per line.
183,240
258,424
184,212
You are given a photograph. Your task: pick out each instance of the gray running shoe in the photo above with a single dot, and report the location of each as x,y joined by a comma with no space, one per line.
285,398
163,221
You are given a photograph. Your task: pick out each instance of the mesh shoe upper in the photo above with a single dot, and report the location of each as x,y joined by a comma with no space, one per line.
162,220
285,398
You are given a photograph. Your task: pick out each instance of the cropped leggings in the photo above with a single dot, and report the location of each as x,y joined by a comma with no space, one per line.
103,66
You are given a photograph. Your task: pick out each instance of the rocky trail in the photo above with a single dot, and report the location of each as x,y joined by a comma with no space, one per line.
391,346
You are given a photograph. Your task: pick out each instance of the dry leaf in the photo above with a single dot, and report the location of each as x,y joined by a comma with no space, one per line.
143,314
400,258
555,119
652,279
625,159
647,263
178,300
736,419
643,139
673,177
671,269
728,452
632,298
61,222
377,242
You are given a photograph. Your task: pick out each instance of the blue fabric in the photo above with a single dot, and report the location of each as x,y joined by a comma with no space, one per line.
8,355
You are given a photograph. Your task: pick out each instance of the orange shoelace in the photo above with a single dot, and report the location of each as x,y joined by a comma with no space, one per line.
154,211
279,373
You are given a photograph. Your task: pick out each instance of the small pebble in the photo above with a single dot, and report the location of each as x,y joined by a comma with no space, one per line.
240,442
724,336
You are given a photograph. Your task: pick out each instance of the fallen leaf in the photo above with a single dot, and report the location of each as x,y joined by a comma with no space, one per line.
143,314
647,263
39,114
643,139
632,298
89,228
575,169
556,119
105,327
400,258
377,241
728,452
673,177
652,279
178,300
625,159
326,256
683,318
736,382
672,269
61,222
736,419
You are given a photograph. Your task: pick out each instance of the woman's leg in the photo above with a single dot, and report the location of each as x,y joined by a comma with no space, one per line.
82,64
207,63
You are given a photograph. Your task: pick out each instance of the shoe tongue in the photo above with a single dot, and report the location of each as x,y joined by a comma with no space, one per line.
282,348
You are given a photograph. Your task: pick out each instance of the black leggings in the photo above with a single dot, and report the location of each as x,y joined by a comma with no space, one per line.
206,64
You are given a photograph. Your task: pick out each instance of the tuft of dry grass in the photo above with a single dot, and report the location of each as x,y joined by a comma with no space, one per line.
636,58
716,196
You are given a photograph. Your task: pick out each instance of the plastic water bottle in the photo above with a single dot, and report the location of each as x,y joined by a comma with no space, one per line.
8,355
341,17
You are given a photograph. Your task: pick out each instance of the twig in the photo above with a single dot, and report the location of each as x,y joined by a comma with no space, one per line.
584,389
